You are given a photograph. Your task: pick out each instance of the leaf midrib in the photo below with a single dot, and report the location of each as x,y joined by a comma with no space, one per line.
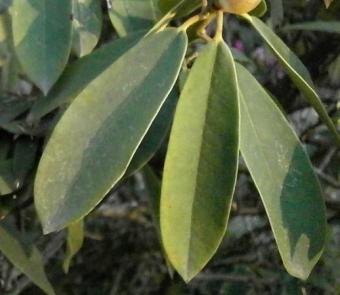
189,259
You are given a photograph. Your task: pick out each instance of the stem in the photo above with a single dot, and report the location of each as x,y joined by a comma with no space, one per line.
191,21
166,19
219,26
201,31
204,6
246,16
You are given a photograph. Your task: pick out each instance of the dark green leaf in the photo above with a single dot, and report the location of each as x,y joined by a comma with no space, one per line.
10,66
129,16
11,108
155,135
79,74
42,38
94,142
23,159
295,69
284,178
87,25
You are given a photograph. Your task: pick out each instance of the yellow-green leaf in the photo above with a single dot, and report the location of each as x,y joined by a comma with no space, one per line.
201,163
260,10
75,240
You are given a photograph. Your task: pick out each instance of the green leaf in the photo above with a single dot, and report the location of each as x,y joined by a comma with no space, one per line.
87,25
260,10
321,26
184,7
201,163
26,257
5,146
7,178
129,16
75,240
11,108
284,178
42,38
94,142
79,74
25,151
10,66
295,69
155,135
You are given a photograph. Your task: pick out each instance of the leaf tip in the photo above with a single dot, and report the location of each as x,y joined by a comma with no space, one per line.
50,227
187,276
45,85
299,273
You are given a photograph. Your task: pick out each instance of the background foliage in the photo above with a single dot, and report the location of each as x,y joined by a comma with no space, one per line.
121,252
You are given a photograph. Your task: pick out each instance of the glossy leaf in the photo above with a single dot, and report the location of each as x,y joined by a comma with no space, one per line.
93,144
79,74
201,163
7,178
129,16
284,177
42,38
75,240
87,25
295,69
26,257
10,66
5,146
